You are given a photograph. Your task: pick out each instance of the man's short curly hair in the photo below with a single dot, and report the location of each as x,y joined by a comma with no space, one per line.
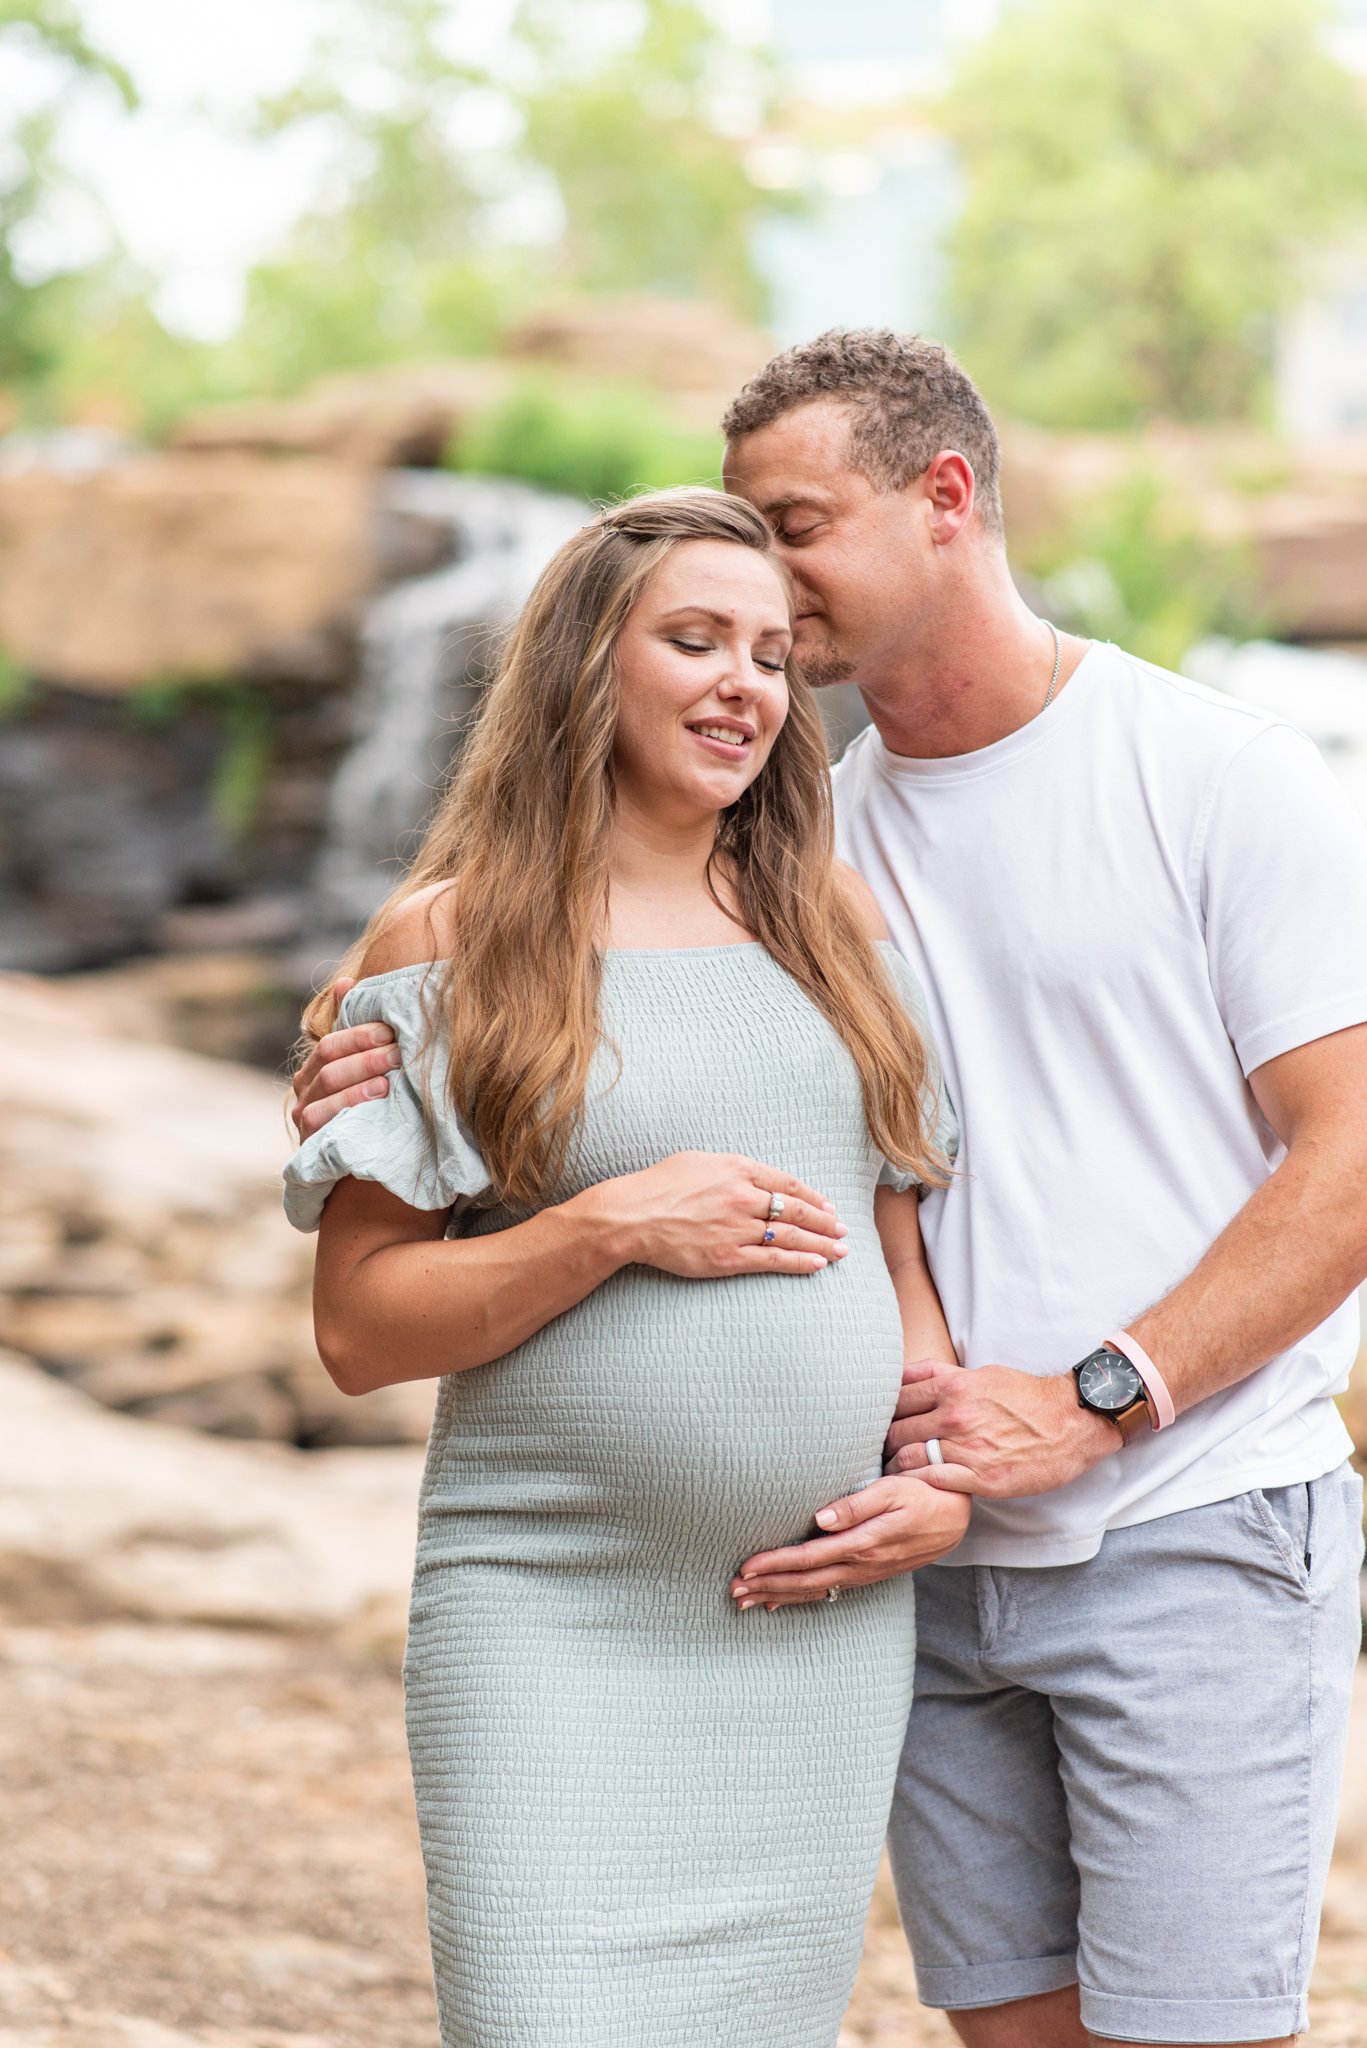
909,398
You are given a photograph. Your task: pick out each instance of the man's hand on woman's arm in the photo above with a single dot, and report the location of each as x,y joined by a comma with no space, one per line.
345,1067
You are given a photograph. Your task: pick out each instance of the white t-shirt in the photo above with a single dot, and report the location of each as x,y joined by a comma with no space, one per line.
1118,912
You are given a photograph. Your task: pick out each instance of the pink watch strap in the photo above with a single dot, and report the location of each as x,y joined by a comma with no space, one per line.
1155,1386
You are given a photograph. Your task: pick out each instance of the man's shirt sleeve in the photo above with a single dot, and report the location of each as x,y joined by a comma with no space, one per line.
1281,872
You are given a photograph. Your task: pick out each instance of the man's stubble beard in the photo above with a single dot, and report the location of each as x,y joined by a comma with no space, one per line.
822,664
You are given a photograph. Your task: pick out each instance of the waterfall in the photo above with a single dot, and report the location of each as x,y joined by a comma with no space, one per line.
424,648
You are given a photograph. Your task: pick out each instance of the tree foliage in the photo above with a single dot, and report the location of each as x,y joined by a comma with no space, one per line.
31,174
610,137
1142,185
654,193
383,264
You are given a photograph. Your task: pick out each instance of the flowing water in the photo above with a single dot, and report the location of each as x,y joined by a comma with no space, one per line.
425,645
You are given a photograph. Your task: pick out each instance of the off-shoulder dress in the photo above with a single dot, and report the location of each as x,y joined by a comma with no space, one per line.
650,1820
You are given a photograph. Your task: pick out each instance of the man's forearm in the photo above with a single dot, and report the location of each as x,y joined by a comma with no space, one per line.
1296,1249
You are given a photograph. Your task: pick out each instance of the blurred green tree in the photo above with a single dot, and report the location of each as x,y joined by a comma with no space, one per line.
1142,185
32,288
651,182
390,261
595,156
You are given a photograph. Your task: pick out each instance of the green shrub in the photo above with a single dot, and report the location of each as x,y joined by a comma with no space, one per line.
599,441
1135,568
16,686
242,716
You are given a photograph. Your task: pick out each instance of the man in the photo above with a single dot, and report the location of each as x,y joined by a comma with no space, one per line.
1140,914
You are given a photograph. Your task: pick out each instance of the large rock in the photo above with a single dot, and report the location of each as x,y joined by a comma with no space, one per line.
403,414
101,1517
696,355
144,1258
1295,513
174,566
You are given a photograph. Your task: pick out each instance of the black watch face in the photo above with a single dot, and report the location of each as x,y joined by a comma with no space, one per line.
1108,1382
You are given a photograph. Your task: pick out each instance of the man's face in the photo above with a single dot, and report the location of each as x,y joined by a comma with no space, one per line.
858,556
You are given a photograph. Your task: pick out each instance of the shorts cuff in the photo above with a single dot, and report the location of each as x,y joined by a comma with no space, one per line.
961,1987
1192,2019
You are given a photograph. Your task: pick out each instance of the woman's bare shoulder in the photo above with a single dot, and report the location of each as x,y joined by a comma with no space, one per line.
860,899
421,928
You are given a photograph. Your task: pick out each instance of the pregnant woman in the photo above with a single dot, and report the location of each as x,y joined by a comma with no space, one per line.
643,1199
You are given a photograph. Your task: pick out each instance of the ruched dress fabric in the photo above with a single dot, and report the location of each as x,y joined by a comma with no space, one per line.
650,1820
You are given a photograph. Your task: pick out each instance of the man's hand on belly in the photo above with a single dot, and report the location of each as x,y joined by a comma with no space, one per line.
1001,1432
893,1526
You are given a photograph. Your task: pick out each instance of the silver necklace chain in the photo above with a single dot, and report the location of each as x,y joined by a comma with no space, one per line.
1058,663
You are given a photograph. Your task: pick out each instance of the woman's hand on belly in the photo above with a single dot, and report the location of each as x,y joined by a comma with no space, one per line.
706,1215
896,1525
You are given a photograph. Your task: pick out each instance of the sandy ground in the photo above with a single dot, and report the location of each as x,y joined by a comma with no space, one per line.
209,1843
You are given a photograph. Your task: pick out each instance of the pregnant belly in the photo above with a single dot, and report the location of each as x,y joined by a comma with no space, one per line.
666,1420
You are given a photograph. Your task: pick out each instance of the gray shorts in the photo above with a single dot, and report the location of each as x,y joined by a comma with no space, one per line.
1125,1773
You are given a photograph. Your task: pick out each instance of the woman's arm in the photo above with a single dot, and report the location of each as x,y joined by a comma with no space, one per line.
925,1334
395,1299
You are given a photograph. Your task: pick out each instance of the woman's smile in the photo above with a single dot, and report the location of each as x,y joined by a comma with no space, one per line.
726,739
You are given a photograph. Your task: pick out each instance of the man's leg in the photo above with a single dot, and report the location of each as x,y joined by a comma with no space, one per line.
1053,2022
1200,1680
1184,1698
978,1835
1050,2021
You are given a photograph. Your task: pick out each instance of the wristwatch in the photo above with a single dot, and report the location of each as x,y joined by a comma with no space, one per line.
1109,1385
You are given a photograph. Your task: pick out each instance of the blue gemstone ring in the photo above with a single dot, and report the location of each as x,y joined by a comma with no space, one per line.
768,1237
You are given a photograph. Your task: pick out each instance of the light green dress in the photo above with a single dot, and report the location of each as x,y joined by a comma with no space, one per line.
650,1820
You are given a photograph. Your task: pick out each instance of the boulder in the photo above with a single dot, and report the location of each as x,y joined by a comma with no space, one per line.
697,355
144,1258
173,566
1296,512
401,415
102,1517
1312,561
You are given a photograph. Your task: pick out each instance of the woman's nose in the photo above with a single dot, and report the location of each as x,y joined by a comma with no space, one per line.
742,679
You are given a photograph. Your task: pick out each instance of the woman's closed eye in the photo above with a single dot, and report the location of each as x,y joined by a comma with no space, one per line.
775,668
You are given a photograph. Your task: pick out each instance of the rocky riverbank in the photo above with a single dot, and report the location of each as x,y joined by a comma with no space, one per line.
209,1836
210,1843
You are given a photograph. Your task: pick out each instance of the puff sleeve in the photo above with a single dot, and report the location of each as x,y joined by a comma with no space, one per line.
409,1140
939,1109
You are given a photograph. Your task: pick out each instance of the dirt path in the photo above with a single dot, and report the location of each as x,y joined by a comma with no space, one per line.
209,1843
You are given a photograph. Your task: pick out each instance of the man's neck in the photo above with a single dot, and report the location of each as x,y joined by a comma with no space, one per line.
971,680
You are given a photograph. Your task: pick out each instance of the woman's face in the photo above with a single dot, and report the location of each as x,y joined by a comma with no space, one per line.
704,696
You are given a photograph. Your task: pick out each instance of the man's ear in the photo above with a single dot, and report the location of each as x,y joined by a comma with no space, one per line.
950,488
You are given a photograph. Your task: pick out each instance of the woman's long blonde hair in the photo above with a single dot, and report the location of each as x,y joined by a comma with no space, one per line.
522,837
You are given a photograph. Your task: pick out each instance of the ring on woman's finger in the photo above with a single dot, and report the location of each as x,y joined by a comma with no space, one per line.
832,1592
768,1237
776,1207
933,1451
